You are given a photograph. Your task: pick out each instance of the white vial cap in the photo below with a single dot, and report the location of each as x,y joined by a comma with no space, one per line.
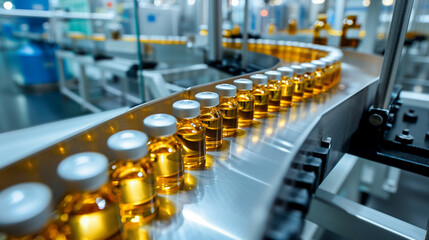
186,109
25,208
328,61
128,144
243,84
259,79
237,40
85,171
309,67
319,64
285,71
251,40
273,75
298,69
207,99
226,90
160,125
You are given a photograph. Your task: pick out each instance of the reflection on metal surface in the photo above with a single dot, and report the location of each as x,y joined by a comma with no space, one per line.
232,195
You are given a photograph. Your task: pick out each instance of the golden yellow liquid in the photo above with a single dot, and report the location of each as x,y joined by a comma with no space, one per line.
135,188
292,27
308,85
192,135
229,109
328,78
246,108
274,95
350,23
52,230
90,215
166,154
305,55
212,120
320,25
261,101
319,76
298,88
287,90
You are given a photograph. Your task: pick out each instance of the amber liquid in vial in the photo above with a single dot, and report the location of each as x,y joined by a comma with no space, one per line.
192,136
319,76
274,95
212,121
246,108
261,101
328,78
229,108
90,215
308,84
166,154
135,188
287,92
298,88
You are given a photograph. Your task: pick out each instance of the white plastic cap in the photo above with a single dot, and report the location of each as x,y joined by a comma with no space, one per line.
85,171
319,64
25,208
273,75
259,79
128,144
237,40
309,67
226,90
207,99
298,69
285,71
243,84
186,109
160,125
328,61
251,40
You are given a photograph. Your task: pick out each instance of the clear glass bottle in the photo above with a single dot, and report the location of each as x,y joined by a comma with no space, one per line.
90,208
191,132
298,83
308,79
287,86
321,30
229,108
132,175
246,102
260,92
319,76
211,118
350,34
274,90
329,71
165,152
26,213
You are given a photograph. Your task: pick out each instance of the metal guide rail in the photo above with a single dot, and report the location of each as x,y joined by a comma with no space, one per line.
232,197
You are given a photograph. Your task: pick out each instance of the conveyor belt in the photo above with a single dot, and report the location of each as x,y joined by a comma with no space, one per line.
232,197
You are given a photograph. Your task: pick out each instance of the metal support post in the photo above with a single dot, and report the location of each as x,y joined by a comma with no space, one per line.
215,31
395,42
244,41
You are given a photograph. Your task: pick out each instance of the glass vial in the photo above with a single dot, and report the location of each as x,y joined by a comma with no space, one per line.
246,102
350,34
329,72
90,208
26,212
321,30
287,86
319,76
274,90
298,83
191,133
211,118
308,79
165,152
132,175
229,108
261,95
292,27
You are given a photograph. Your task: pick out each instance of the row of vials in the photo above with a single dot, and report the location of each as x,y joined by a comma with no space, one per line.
106,200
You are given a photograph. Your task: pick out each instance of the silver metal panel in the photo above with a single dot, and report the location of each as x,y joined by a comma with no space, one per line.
232,197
